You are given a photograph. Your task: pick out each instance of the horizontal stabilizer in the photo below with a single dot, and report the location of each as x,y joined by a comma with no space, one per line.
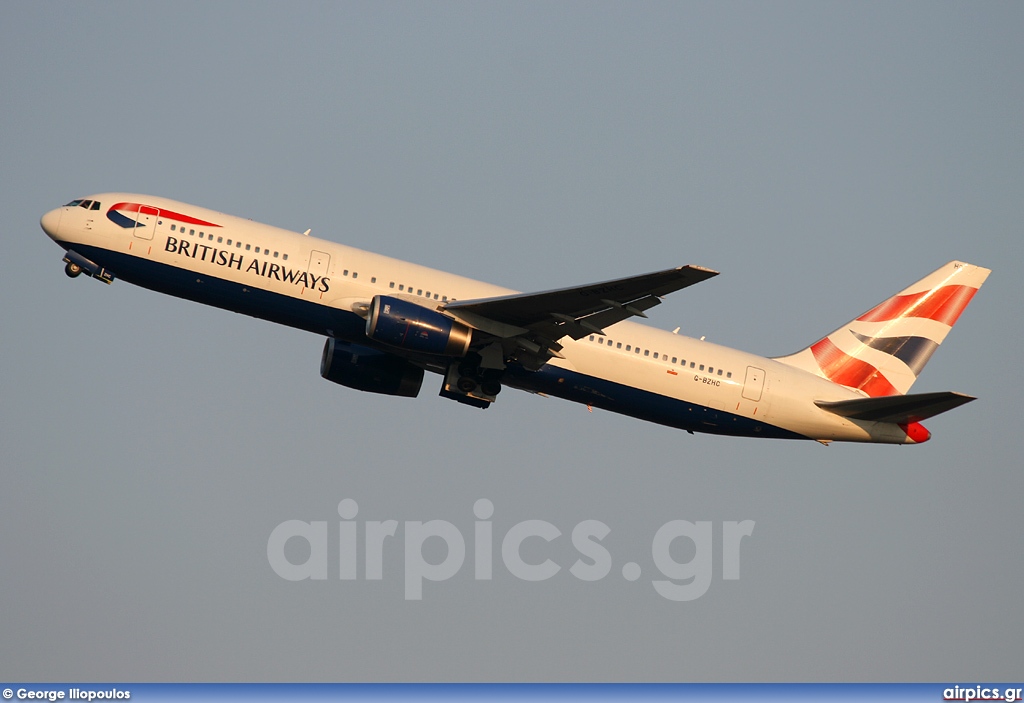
896,408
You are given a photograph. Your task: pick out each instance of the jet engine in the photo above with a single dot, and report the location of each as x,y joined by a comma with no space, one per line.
410,326
369,370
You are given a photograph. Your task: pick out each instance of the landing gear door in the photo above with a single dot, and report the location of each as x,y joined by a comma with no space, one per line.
145,222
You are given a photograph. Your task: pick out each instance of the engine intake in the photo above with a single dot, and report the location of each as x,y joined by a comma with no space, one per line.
410,326
369,370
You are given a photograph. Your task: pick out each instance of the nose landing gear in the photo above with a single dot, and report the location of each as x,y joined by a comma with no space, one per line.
76,265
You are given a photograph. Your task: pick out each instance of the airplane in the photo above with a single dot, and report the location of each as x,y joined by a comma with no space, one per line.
388,321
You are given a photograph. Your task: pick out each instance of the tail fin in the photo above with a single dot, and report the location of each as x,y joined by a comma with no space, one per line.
883,351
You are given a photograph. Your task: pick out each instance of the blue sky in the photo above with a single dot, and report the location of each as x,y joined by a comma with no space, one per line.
822,156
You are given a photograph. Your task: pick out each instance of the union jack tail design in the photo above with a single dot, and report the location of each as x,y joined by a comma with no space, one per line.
882,352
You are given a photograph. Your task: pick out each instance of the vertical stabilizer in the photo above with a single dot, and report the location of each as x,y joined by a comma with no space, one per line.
883,351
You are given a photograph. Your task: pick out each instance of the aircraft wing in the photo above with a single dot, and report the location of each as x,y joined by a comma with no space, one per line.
896,408
541,319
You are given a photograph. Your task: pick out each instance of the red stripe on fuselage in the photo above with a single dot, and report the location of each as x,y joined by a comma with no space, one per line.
941,304
169,214
839,367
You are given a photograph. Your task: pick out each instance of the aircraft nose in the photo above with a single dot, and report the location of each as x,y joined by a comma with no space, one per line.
50,222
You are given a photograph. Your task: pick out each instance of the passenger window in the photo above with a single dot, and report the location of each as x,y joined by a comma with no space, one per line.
248,246
673,360
391,285
173,228
619,345
692,364
435,296
373,279
655,355
401,286
591,338
702,367
284,256
220,239
647,352
419,292
345,272
719,372
711,369
355,275
192,232
729,375
444,298
428,293
229,241
238,245
637,350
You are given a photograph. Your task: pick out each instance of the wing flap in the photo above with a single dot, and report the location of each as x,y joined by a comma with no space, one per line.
896,408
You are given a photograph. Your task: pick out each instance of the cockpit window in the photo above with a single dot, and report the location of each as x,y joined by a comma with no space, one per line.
74,203
95,205
86,204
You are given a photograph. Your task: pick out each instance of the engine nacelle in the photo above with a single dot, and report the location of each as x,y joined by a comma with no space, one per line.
369,370
410,326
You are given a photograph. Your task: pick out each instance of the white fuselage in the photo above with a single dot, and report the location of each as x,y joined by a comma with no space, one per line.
319,286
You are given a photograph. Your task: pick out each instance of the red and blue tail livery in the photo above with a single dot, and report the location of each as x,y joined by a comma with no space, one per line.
883,351
388,322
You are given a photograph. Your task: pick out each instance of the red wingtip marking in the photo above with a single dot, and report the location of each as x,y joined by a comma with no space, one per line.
916,431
